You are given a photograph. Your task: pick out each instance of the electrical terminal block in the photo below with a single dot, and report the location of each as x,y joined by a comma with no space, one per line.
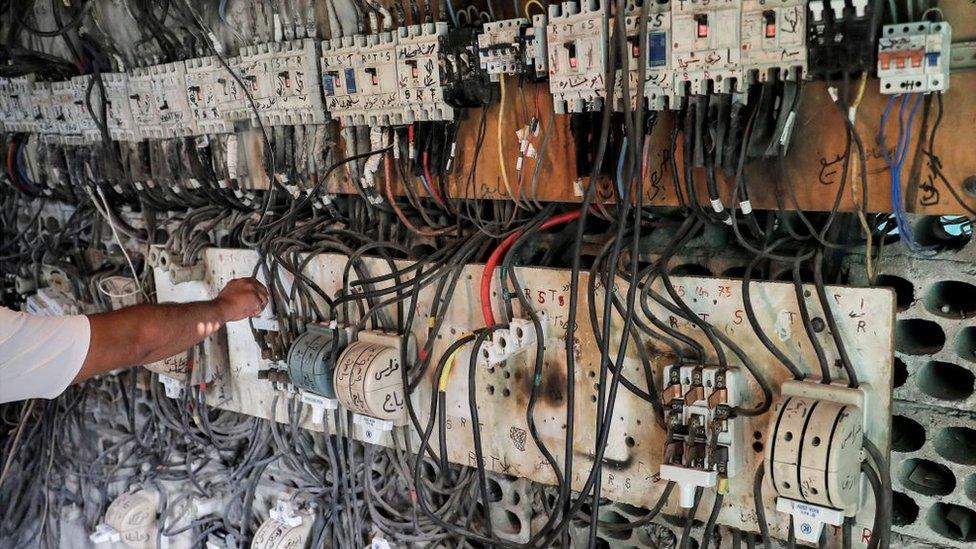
576,38
207,94
104,534
658,90
914,57
159,258
281,78
704,440
814,453
706,50
146,116
520,336
418,67
774,39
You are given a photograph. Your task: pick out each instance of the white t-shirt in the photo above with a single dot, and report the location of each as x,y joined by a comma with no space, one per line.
40,355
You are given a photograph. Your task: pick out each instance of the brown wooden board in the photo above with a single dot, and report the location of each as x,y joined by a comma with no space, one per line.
812,168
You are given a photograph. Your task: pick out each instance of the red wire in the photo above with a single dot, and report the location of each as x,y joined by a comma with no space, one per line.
499,252
10,161
430,180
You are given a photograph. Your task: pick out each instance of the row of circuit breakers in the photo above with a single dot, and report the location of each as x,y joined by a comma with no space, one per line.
426,72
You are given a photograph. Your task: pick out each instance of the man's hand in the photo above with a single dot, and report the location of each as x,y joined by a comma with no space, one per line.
241,298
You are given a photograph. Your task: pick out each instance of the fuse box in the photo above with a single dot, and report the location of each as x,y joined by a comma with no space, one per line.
281,79
206,93
422,94
658,88
706,48
576,37
914,57
703,436
774,39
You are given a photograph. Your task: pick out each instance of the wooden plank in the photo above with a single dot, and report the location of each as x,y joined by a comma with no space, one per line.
813,165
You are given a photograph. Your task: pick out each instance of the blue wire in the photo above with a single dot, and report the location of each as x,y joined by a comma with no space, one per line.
896,162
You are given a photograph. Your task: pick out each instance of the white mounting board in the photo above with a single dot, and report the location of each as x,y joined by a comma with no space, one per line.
635,445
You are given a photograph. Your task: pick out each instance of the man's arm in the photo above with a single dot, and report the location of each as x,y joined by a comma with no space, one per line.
145,333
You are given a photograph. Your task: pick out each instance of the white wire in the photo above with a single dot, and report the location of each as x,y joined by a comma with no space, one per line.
115,233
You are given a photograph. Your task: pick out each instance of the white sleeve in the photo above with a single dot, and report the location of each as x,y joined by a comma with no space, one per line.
40,355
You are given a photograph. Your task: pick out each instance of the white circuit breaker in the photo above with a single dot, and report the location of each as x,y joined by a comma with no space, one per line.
658,89
206,93
706,47
340,58
175,117
814,454
704,440
774,37
118,112
282,80
914,57
576,40
418,53
142,103
514,46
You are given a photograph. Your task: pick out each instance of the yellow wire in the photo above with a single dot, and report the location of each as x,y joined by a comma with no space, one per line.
855,189
446,373
530,3
501,130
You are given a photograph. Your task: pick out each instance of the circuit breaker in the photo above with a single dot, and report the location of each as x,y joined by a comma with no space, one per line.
813,456
281,80
704,440
774,39
658,88
914,57
576,40
118,112
339,63
142,103
175,117
514,46
706,47
206,93
418,66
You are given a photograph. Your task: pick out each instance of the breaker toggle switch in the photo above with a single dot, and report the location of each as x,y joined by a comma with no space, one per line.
571,52
769,23
702,28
